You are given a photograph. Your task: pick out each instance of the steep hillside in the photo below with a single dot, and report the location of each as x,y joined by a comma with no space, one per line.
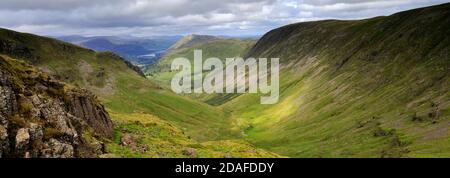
368,88
41,117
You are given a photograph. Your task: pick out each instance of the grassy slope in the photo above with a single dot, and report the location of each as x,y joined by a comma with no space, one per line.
365,88
120,88
220,48
156,138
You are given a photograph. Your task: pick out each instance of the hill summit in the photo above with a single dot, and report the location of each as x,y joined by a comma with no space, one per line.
192,39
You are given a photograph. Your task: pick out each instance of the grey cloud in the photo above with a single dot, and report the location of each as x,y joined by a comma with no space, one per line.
141,17
54,4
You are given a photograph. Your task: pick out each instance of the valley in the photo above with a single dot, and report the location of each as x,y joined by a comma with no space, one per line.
376,87
125,91
350,88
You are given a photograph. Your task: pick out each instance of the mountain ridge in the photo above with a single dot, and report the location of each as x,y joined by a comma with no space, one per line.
190,40
362,88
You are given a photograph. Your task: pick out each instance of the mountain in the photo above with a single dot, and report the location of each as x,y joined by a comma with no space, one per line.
214,47
41,117
364,88
149,121
100,44
141,51
190,40
211,47
76,39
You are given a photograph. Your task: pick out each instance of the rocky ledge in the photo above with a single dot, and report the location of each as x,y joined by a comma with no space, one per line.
41,117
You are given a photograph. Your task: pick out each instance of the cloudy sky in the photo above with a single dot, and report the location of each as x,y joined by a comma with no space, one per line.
171,17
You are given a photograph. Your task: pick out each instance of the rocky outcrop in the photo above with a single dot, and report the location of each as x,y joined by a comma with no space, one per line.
16,50
41,117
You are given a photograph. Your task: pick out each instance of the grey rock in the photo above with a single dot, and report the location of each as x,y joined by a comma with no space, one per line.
8,102
191,152
57,149
36,132
4,143
22,138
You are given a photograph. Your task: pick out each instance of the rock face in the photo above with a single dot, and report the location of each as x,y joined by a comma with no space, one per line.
16,50
41,117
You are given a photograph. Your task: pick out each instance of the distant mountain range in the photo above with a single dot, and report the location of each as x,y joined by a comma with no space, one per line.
141,51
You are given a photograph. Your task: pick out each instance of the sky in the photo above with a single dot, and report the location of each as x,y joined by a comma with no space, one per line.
181,17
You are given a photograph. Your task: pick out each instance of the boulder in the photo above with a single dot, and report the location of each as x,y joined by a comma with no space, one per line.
22,138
